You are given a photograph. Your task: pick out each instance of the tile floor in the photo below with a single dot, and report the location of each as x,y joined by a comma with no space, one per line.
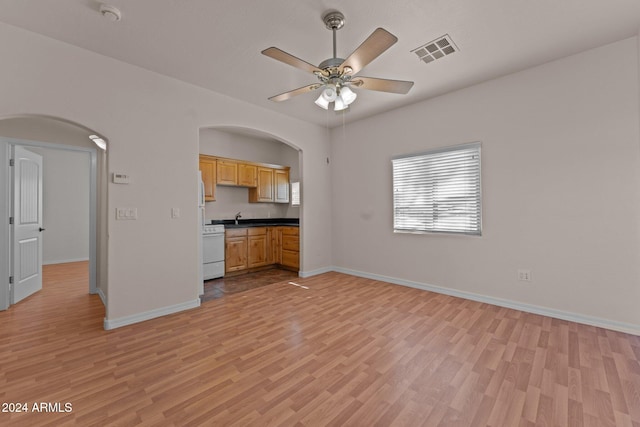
218,288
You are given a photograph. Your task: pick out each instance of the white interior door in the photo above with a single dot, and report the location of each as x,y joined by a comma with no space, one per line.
27,223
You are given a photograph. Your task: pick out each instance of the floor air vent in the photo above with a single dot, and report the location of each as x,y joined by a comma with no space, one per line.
436,49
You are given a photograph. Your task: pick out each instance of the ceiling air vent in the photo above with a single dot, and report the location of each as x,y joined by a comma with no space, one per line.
435,49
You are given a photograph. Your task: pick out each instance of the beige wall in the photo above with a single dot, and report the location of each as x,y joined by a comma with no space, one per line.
560,182
560,178
152,124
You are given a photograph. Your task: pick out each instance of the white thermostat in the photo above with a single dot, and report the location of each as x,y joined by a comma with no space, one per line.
121,178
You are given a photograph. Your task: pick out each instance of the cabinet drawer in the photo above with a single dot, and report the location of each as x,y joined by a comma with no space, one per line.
290,243
235,232
290,231
257,231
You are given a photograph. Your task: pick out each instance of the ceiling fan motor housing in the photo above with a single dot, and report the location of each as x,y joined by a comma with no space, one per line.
333,19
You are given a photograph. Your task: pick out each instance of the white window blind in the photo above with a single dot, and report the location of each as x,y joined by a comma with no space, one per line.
295,194
438,191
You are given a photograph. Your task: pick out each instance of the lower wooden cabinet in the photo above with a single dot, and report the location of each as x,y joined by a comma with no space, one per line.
290,247
253,247
235,250
258,247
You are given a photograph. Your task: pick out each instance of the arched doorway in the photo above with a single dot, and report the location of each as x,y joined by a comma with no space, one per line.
66,145
245,146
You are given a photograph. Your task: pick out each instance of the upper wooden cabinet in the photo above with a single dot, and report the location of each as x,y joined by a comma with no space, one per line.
281,178
247,175
267,183
208,169
264,191
227,172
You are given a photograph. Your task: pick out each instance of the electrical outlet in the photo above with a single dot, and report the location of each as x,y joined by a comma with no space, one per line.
524,275
126,213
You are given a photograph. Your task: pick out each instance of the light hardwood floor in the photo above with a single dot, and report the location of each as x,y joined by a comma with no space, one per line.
330,350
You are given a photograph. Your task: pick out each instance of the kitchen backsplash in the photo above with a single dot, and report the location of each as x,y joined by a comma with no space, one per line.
231,200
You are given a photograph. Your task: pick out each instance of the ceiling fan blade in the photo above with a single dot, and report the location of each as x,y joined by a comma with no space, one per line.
382,85
282,56
295,92
379,41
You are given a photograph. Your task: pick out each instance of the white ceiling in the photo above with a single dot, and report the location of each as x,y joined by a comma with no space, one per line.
217,44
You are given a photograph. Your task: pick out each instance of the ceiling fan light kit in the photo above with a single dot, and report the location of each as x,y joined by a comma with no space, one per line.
336,75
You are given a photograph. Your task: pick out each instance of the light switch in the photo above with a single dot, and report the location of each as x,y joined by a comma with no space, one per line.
175,213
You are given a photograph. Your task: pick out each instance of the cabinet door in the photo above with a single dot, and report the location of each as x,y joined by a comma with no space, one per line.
247,175
264,191
281,186
227,173
235,253
208,169
291,259
257,251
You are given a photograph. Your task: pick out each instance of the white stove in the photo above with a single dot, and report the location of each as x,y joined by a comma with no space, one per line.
213,251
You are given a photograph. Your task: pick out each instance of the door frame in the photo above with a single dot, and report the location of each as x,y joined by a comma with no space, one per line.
6,248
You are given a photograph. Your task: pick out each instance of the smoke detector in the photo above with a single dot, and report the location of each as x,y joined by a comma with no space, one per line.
112,13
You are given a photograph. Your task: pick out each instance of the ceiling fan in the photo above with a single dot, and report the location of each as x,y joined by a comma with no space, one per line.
336,76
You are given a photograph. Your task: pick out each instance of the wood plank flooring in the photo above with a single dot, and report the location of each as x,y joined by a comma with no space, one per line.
327,350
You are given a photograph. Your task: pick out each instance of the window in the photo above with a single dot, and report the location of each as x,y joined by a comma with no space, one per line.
295,194
438,191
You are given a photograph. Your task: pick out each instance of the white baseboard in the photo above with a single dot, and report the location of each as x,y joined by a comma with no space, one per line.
102,296
316,272
628,328
64,261
152,314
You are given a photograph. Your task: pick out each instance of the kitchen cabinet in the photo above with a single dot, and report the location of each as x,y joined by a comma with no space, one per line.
258,247
281,179
208,169
227,172
235,250
264,190
247,175
267,183
290,253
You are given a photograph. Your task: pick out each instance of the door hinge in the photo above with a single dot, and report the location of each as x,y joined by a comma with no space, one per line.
10,280
12,162
10,220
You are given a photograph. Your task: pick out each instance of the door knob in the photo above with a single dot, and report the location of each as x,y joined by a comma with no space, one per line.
41,229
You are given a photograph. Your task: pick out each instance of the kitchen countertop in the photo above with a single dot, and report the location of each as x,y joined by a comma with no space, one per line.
258,222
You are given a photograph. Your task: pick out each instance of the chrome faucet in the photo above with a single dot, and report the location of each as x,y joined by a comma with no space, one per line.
238,216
